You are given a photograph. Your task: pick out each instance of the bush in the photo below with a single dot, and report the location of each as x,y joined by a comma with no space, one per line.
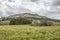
46,23
12,21
35,23
4,22
42,23
0,20
20,21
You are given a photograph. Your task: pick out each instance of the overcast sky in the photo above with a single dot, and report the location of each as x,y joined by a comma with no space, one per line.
49,8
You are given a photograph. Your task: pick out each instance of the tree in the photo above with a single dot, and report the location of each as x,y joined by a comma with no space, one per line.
45,22
3,18
20,21
35,23
12,21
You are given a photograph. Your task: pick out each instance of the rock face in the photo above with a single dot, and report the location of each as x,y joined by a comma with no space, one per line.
28,15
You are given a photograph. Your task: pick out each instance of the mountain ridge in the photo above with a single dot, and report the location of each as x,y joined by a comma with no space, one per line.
27,15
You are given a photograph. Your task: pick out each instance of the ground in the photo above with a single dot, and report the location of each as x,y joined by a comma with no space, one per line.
26,32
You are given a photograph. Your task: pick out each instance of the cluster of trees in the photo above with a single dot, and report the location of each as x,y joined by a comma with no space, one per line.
4,21
23,21
42,23
20,21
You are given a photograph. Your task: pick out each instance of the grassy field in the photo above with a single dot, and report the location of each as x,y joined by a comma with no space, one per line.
26,32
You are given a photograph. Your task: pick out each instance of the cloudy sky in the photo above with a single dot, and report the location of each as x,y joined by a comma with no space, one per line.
49,8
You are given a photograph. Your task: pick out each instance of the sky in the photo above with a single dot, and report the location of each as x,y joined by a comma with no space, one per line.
49,8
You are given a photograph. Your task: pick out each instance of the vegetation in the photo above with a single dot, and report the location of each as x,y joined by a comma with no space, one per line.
20,21
0,20
46,23
26,32
35,23
4,22
24,21
19,28
28,18
42,23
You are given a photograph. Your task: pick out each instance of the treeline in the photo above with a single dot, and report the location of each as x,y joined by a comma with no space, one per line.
24,21
20,21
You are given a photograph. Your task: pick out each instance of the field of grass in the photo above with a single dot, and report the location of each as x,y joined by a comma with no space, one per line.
26,32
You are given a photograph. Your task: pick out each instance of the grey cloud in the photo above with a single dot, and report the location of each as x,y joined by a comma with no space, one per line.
9,13
34,0
29,5
1,13
56,2
11,0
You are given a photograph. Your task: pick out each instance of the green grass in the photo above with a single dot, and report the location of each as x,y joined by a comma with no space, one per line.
57,23
26,32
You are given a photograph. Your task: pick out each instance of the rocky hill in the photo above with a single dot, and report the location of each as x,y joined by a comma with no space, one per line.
28,15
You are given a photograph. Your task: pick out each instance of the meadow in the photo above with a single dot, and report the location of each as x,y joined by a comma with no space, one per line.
26,32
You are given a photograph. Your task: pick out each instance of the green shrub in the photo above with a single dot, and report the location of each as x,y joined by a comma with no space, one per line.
42,23
46,23
35,23
12,21
20,21
4,22
0,20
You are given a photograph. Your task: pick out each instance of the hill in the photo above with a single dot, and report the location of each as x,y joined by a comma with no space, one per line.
27,15
30,16
33,16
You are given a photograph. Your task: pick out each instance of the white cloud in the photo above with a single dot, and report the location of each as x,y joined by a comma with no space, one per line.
42,7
